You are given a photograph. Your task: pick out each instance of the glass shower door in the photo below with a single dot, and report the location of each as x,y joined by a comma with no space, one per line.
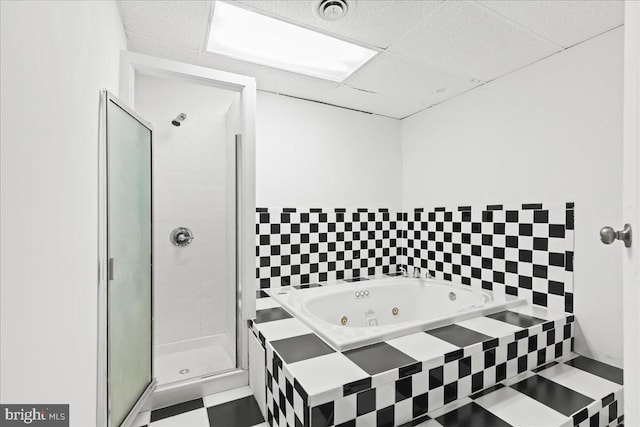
129,290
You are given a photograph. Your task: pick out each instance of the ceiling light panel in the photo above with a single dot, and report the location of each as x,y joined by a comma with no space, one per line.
373,23
250,36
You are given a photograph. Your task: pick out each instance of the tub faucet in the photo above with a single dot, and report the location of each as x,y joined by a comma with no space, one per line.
404,272
418,275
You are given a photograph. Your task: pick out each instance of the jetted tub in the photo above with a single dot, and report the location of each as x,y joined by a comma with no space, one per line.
352,315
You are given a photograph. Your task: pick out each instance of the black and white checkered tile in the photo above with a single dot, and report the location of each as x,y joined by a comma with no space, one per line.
235,407
399,380
296,246
575,392
525,250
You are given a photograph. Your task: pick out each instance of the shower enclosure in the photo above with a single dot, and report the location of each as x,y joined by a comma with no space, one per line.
182,322
194,210
125,286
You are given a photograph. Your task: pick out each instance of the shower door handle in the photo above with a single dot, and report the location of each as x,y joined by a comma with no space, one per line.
608,235
110,267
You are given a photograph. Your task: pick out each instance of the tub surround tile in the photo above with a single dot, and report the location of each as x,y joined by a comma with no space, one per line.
540,312
421,346
344,408
285,328
378,358
403,403
265,302
323,415
301,246
517,319
307,286
321,375
489,327
271,314
355,279
458,335
513,249
301,347
419,385
600,369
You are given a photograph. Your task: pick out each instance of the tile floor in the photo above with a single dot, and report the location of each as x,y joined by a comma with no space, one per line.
579,391
233,408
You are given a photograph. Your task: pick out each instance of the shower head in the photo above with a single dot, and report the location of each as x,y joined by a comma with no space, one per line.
179,118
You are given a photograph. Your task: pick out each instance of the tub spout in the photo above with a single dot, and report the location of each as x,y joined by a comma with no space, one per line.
417,274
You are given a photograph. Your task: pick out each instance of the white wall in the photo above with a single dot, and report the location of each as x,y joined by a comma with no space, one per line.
314,155
55,57
192,175
551,132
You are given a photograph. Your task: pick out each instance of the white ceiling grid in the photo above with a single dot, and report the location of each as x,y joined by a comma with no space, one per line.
431,50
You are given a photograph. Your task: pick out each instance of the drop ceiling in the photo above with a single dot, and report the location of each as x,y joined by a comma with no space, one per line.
430,50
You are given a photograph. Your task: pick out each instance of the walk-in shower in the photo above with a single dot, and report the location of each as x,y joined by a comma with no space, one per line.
194,211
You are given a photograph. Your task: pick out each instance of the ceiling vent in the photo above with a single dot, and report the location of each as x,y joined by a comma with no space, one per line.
332,10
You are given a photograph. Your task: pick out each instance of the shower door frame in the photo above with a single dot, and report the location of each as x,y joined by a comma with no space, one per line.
103,404
132,63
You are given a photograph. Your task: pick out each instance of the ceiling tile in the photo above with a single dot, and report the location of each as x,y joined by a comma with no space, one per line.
442,48
385,105
154,47
390,74
377,23
179,22
468,39
291,84
563,22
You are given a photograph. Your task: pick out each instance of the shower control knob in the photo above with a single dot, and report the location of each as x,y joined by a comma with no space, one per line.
181,236
608,235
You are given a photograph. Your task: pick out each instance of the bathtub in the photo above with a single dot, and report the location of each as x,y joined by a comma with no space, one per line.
352,315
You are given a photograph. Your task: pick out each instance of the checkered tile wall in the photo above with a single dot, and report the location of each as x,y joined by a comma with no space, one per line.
524,250
315,245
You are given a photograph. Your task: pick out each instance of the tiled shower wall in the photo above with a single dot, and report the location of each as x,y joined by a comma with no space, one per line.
524,250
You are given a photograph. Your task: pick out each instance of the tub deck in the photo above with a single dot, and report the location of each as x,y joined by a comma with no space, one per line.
466,369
